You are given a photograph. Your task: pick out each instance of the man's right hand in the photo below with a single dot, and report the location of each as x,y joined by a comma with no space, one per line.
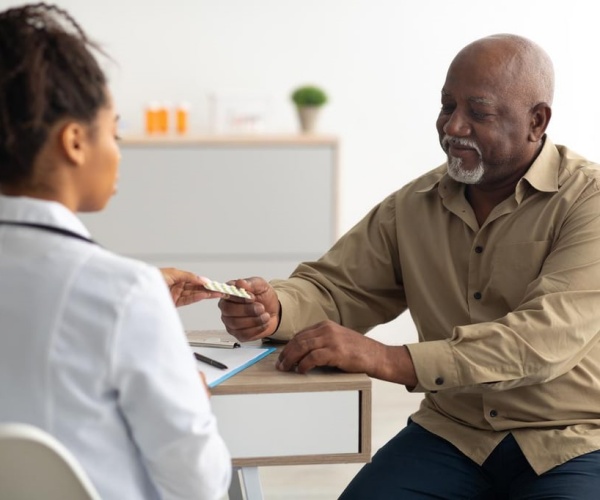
247,319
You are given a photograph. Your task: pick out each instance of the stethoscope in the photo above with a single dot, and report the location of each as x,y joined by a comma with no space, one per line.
51,229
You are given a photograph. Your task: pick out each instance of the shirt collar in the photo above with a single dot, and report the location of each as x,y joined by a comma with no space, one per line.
33,210
542,175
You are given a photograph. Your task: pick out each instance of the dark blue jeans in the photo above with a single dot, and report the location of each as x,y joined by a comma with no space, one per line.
417,464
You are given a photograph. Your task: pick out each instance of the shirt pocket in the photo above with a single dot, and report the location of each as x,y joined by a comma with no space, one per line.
514,267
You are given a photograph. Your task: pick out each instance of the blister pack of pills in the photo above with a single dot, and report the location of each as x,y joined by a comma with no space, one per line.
216,286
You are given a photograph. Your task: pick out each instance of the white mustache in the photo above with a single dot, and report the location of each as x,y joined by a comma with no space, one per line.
448,140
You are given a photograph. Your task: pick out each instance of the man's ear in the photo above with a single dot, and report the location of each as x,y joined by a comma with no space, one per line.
72,139
540,118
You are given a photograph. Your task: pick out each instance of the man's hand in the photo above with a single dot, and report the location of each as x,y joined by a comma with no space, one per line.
251,319
330,344
186,288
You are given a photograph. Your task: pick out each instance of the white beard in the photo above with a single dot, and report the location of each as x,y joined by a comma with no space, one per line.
459,174
455,168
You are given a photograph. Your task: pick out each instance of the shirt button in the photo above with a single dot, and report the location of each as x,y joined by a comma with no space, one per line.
493,413
477,295
478,249
439,381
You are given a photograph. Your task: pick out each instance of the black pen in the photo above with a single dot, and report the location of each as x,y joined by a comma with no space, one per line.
211,362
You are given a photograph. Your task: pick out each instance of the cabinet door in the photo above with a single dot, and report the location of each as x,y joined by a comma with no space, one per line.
177,200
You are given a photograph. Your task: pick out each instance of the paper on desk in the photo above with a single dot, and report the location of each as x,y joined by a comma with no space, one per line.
236,360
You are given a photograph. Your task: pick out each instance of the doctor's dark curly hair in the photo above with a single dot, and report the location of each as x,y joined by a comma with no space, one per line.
47,73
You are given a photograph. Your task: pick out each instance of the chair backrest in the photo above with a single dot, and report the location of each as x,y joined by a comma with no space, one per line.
34,465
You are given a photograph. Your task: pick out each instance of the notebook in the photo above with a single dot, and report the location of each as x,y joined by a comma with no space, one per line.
236,360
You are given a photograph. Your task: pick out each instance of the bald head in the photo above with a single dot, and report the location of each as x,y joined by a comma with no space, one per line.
520,66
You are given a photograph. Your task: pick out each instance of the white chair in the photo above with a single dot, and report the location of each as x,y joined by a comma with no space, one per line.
34,465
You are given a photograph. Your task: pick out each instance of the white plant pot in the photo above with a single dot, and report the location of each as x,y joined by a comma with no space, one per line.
308,118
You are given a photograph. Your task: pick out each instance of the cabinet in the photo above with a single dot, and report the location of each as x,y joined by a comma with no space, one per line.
222,207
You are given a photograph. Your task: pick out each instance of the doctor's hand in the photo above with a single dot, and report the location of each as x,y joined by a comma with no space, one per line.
330,344
247,319
185,287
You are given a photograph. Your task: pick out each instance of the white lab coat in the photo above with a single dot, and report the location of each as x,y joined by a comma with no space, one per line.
92,350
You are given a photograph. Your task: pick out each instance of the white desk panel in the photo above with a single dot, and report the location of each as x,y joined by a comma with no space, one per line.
266,425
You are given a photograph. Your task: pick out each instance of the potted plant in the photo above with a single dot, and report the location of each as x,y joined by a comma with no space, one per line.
308,100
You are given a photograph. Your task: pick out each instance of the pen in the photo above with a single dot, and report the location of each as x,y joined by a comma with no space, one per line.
209,361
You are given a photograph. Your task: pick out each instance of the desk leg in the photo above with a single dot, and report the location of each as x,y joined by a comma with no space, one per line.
245,484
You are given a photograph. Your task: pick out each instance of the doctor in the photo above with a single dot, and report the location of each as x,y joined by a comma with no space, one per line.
92,349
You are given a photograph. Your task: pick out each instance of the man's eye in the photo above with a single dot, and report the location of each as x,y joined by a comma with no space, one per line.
478,115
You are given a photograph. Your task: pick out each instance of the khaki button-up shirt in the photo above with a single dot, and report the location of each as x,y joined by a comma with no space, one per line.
508,314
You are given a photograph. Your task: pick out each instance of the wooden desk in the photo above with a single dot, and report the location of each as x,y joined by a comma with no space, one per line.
268,417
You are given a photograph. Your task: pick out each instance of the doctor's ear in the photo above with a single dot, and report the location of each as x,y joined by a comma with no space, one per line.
72,139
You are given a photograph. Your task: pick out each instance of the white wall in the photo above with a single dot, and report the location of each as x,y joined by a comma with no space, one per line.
383,63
